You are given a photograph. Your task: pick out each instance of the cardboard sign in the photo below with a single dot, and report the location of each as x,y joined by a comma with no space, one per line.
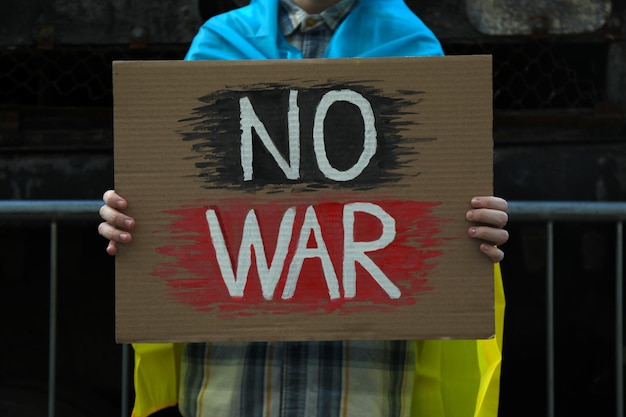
303,200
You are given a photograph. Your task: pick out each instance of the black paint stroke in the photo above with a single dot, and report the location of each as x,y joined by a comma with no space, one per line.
215,133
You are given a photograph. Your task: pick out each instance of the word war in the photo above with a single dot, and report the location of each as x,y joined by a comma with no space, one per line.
353,252
282,252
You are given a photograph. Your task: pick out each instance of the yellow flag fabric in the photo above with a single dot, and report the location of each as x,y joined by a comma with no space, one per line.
460,378
157,371
453,378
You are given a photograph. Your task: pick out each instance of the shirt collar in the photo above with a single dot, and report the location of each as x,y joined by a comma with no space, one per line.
293,17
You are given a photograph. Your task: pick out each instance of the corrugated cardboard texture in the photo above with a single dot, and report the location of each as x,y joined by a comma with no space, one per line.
369,166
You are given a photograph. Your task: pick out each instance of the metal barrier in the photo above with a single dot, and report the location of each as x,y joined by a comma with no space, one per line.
53,211
551,212
548,212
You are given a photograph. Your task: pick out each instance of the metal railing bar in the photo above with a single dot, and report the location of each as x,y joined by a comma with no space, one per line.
518,210
550,380
50,209
619,325
567,210
52,343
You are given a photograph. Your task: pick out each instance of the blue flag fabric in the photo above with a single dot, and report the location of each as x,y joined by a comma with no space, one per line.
374,29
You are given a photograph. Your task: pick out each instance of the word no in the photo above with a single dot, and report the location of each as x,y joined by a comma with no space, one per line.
291,168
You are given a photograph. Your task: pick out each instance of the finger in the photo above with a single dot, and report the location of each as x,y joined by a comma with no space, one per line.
492,217
112,248
490,202
113,234
112,199
489,234
116,218
493,252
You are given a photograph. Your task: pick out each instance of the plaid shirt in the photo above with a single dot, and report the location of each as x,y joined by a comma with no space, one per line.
299,379
311,34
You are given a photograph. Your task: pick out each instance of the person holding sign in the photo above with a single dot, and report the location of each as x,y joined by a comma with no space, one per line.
341,378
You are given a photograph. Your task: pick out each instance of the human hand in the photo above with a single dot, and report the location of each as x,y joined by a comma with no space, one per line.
490,214
116,225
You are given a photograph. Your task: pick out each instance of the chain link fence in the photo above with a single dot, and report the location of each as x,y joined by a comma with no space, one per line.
528,75
67,76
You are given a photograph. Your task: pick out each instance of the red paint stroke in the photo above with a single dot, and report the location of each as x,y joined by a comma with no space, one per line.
195,279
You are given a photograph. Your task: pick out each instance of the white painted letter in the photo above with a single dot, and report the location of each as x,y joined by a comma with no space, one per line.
249,120
355,251
311,225
369,140
251,237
